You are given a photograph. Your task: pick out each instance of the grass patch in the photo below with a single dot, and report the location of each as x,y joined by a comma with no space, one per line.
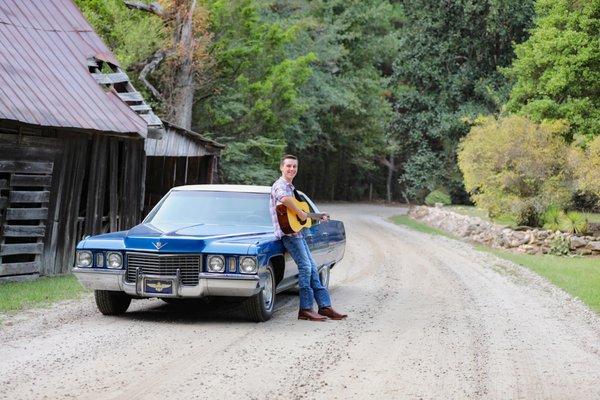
419,226
15,296
578,276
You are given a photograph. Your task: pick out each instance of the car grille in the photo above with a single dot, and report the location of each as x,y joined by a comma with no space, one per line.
165,264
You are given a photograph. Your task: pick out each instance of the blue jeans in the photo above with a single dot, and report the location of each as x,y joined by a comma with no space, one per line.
308,276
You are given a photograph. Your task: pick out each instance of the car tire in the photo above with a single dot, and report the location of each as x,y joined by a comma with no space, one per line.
111,303
325,276
259,307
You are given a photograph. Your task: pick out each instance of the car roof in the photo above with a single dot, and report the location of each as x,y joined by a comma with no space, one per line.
226,188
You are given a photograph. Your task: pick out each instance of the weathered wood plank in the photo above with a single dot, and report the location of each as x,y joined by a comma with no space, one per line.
21,248
141,108
26,213
3,184
24,230
31,180
3,202
19,268
132,96
33,167
29,197
113,185
109,79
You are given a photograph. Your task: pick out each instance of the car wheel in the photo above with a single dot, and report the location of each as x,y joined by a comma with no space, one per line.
260,306
111,303
324,275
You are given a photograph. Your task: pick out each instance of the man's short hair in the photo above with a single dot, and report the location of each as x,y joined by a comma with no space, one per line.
286,157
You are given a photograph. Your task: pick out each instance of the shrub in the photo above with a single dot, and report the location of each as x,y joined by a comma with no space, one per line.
550,219
515,167
438,196
559,246
573,222
586,167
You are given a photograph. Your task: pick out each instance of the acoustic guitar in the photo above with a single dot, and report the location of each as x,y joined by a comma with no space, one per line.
289,221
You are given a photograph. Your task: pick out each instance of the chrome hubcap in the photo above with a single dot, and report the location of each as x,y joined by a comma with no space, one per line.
268,291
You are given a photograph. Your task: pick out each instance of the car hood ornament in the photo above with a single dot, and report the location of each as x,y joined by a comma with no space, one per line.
159,245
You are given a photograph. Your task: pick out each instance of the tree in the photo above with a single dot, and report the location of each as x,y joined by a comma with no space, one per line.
339,135
555,73
445,74
515,167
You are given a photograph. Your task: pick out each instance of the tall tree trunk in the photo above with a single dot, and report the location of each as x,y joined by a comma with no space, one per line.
388,184
180,108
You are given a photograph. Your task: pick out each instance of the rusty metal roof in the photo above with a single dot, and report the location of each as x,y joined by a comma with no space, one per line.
45,48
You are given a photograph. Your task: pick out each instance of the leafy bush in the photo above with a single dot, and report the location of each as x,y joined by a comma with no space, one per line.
515,167
559,246
586,167
550,219
573,222
438,196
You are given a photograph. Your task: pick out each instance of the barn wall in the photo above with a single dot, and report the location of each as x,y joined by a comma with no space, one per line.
55,190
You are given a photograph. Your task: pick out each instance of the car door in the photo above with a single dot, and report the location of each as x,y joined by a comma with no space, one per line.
317,235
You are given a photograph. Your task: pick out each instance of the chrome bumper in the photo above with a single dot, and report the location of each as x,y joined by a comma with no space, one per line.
208,284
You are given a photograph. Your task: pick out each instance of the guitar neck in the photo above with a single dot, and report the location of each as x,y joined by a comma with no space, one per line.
315,216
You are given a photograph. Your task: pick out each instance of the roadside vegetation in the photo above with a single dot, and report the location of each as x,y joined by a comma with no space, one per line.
16,296
578,276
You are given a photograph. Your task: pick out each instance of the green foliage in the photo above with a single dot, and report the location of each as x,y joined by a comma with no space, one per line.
445,74
253,94
556,70
342,130
586,165
515,167
438,196
573,222
550,219
131,35
559,246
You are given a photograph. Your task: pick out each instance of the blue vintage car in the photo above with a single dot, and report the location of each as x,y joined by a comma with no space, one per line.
203,240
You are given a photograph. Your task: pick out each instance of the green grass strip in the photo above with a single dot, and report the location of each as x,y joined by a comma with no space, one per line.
15,296
578,276
419,226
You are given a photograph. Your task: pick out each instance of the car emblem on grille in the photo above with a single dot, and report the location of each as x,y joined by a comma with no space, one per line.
159,245
159,286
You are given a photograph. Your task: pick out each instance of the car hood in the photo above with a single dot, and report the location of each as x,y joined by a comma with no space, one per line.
187,238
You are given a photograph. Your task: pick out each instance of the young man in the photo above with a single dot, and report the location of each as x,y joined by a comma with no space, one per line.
310,285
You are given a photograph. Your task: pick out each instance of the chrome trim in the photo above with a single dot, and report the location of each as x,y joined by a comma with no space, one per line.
189,275
77,265
255,264
100,279
210,284
222,258
118,253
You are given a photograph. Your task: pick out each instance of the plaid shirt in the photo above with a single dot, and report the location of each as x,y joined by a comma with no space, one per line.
280,189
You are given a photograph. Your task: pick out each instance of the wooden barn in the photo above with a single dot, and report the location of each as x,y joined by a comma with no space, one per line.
72,136
180,157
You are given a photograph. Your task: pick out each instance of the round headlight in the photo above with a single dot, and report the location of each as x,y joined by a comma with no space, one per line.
114,260
216,264
84,259
248,265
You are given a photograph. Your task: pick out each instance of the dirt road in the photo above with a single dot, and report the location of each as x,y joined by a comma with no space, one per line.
430,318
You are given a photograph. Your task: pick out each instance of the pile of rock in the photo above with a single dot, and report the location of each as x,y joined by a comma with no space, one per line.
532,241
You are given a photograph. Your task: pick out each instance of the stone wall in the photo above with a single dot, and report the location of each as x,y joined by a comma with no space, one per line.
532,241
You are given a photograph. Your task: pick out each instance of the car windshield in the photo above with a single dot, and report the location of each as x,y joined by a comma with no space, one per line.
205,207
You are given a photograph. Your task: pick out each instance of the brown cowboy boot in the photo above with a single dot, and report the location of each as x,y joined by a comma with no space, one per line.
331,313
310,315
